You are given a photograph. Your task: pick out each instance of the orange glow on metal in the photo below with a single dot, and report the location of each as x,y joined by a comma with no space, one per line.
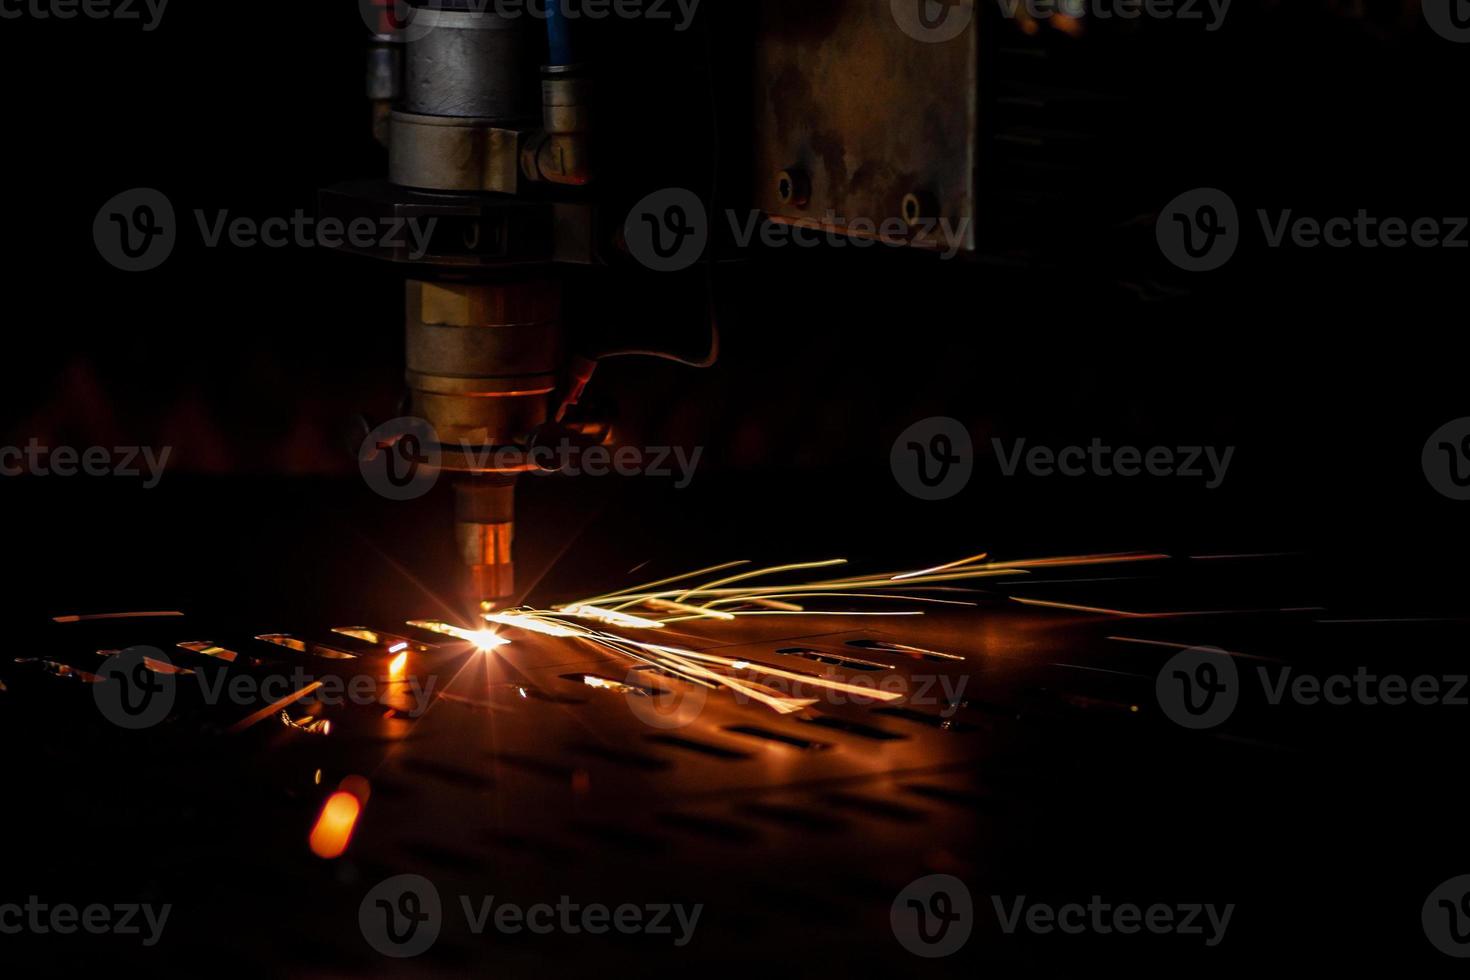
334,825
483,640
397,665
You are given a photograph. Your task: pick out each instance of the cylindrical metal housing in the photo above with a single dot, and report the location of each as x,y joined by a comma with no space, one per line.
484,529
483,359
471,63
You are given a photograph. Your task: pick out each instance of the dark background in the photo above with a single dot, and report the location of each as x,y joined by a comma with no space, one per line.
1326,369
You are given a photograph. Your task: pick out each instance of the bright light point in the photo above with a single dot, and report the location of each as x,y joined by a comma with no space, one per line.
740,664
486,640
334,825
398,647
483,640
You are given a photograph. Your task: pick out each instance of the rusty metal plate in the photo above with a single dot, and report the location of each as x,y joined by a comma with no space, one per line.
869,112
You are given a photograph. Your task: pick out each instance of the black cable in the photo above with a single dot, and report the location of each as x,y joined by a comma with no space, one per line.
709,360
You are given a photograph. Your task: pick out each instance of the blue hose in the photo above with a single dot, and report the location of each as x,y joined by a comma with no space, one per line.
558,33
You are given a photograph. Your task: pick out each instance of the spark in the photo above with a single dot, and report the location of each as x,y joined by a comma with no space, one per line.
611,617
942,568
534,621
695,595
397,664
669,605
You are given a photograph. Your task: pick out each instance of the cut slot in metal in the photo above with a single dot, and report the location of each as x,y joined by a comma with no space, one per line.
152,663
96,617
712,827
58,669
620,837
795,741
206,648
875,807
854,728
793,816
302,646
602,683
632,760
390,642
703,748
954,797
903,648
832,659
